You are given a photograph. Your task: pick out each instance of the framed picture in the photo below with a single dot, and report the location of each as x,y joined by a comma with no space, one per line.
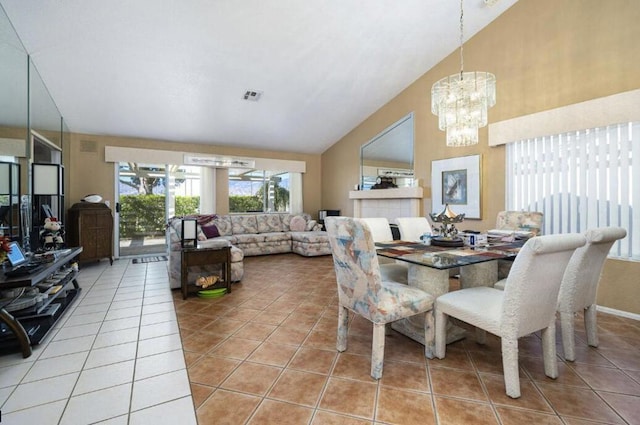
457,182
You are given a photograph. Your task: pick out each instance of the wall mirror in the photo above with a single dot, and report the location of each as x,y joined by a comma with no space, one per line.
13,92
389,155
31,129
45,119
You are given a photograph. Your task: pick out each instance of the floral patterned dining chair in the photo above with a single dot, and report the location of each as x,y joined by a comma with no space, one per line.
361,289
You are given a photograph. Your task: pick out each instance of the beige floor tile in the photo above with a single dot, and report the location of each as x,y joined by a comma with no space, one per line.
313,360
252,378
236,348
299,387
354,398
352,366
273,354
457,383
255,331
405,376
530,396
211,370
227,407
276,412
404,407
510,416
329,418
579,403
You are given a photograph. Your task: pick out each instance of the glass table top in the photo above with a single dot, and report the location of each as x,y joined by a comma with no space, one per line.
446,258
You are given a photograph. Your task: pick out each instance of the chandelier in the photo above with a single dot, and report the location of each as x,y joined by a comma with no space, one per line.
461,101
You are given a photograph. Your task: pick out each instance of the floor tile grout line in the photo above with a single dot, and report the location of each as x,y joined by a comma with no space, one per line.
49,339
66,406
262,342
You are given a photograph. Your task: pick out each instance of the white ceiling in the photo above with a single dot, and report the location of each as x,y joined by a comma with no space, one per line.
177,69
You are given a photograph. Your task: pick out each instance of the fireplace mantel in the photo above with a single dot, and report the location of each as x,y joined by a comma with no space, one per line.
398,193
389,203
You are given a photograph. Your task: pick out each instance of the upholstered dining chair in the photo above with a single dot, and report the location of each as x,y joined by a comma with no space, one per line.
362,290
530,221
527,304
411,228
514,221
580,285
381,232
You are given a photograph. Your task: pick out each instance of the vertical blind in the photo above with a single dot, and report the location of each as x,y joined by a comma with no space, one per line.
580,180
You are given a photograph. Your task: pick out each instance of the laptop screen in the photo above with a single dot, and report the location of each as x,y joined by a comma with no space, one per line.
16,256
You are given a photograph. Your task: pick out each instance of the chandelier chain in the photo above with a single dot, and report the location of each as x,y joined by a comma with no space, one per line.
461,39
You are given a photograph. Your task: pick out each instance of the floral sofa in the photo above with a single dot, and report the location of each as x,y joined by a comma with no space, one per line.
248,234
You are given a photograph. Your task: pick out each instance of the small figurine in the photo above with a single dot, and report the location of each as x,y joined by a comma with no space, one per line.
51,234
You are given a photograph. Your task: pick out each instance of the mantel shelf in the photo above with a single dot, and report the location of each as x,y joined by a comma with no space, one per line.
398,193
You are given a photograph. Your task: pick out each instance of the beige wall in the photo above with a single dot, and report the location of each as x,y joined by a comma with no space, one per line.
87,172
545,54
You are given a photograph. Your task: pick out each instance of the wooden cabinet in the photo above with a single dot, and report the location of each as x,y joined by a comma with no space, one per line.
90,226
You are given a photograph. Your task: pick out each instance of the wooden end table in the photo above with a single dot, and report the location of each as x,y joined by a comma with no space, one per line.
204,257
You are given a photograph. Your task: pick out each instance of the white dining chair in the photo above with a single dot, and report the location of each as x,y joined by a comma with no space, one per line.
580,286
381,232
527,304
362,290
412,228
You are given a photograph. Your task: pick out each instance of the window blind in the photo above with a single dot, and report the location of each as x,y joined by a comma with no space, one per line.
580,180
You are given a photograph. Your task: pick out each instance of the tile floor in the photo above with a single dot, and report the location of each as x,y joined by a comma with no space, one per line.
265,354
115,357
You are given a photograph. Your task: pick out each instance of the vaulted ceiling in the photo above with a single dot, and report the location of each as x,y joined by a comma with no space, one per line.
178,69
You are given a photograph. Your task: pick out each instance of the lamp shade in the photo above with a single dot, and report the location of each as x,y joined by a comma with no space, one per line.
189,232
47,179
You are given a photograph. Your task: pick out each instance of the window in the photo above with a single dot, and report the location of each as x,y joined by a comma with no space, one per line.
253,190
580,180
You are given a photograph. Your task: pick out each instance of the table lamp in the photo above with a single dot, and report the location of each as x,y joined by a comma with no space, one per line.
189,232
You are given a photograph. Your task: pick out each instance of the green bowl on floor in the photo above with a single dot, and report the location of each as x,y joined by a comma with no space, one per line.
212,293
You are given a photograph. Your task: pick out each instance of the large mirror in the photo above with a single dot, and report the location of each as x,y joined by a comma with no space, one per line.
31,127
387,159
45,120
13,93
13,126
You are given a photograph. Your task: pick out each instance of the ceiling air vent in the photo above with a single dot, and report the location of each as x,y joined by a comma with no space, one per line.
253,95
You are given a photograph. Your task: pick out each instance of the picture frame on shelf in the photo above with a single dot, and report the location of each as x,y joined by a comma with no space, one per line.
457,182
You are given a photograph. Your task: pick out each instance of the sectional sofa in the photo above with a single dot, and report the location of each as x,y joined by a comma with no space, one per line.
248,234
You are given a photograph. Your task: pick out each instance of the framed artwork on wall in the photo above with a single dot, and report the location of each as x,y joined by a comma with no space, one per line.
457,182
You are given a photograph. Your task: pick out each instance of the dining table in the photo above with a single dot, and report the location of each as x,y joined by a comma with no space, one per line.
429,270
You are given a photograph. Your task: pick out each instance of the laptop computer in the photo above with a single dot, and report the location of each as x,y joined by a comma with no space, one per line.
19,262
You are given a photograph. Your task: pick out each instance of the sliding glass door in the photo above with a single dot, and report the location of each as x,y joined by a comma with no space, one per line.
147,195
142,199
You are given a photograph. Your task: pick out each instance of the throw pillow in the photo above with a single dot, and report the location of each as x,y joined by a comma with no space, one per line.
311,224
210,231
297,224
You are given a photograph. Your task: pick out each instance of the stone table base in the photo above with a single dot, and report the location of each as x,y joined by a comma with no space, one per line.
436,283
